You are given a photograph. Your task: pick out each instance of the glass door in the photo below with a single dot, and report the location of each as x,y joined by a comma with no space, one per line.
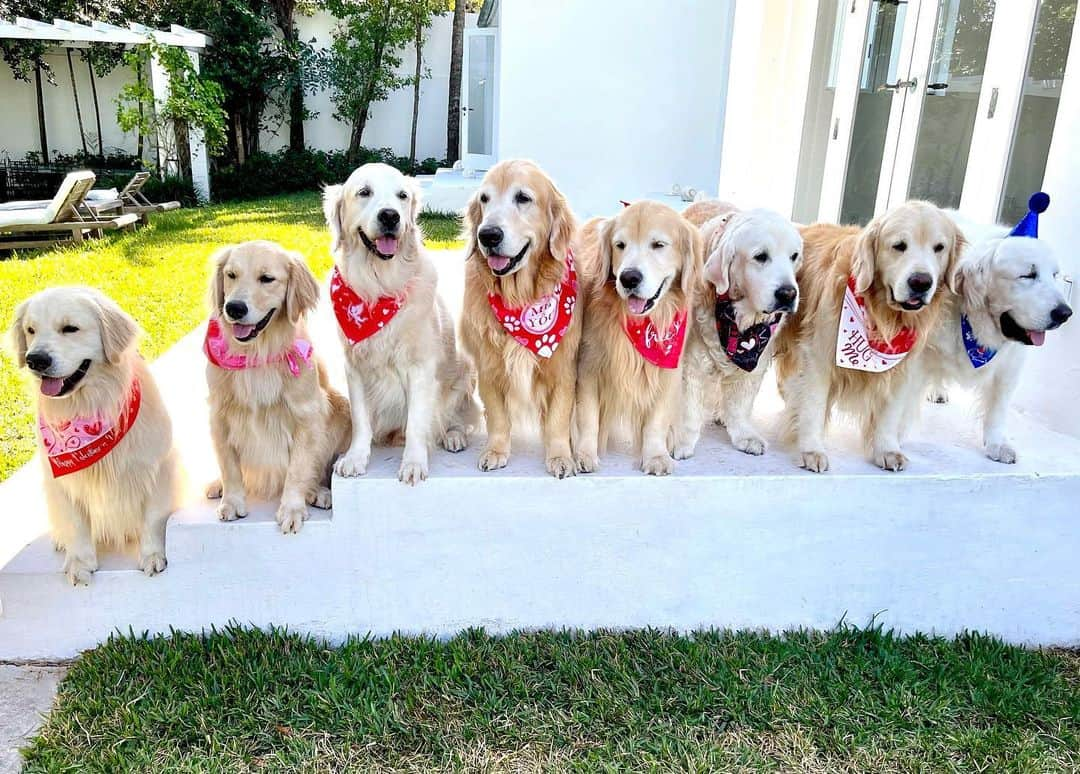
478,99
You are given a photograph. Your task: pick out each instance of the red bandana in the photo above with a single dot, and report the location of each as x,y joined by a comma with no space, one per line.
217,352
858,345
357,318
540,326
79,442
662,351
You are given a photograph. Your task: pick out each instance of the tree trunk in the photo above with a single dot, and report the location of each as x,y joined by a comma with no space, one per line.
183,149
141,141
360,122
42,134
296,115
453,108
419,42
75,96
97,111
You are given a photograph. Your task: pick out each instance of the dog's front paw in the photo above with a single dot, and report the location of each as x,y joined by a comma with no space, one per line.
213,490
154,563
78,570
291,518
750,444
321,498
938,395
412,472
814,461
1001,452
560,466
455,440
684,448
232,508
586,463
891,460
492,459
660,465
351,464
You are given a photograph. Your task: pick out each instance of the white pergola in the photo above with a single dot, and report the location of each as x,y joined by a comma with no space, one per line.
68,34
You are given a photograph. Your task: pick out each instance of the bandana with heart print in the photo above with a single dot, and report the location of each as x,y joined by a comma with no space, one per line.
663,351
357,318
857,344
743,347
541,325
77,443
216,347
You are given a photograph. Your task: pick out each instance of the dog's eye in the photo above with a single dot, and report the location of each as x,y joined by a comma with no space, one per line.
900,247
69,329
522,198
402,195
939,247
658,245
30,331
230,274
266,279
794,257
364,192
762,257
620,245
484,198
1031,275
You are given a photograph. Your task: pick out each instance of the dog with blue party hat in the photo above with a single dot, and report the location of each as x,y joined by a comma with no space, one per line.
1007,292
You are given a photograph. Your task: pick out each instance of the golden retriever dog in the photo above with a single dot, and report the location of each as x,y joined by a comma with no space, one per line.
404,371
645,265
1007,296
869,303
275,422
747,294
112,476
519,320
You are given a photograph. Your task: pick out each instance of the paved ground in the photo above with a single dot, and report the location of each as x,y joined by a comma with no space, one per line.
25,693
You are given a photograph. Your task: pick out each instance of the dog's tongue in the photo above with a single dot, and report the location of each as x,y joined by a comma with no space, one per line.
498,262
387,245
637,305
1037,337
242,331
51,386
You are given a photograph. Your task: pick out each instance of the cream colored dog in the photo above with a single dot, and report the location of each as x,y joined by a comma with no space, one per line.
645,263
405,375
519,228
740,308
276,423
896,265
111,474
1007,290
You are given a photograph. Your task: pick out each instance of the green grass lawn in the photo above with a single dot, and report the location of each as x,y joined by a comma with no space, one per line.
849,700
159,275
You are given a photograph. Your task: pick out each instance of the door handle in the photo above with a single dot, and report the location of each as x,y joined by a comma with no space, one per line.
895,87
936,86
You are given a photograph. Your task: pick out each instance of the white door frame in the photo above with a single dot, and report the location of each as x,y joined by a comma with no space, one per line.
478,161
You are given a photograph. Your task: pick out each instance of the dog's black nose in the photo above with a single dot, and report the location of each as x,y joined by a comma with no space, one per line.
786,295
236,310
38,361
389,219
920,282
1060,313
490,236
630,278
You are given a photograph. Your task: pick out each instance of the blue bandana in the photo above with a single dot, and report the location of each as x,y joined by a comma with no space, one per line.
978,354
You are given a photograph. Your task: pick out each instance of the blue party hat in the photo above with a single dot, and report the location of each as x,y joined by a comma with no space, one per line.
1029,224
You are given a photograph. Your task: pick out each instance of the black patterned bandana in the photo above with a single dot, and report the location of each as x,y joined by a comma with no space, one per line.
743,348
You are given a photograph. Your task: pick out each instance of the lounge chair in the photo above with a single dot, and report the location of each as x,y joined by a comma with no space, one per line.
132,199
66,217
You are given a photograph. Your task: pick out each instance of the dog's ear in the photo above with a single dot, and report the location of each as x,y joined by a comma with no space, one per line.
18,333
719,240
416,199
603,250
968,277
562,225
302,293
118,330
216,294
692,252
333,205
864,257
958,251
470,222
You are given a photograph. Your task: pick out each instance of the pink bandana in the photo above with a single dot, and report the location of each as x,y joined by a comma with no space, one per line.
358,318
663,351
857,344
216,347
540,326
77,443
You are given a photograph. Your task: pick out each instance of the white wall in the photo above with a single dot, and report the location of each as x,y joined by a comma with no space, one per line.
615,98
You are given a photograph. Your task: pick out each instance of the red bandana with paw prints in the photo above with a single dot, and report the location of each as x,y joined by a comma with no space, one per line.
663,351
358,318
858,345
540,326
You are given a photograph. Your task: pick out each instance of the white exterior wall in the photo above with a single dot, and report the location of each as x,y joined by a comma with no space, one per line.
615,98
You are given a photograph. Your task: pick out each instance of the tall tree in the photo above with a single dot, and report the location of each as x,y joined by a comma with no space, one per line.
75,98
423,11
453,108
285,19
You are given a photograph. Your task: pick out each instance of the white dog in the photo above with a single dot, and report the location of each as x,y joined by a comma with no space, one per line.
750,288
404,372
1007,296
111,473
